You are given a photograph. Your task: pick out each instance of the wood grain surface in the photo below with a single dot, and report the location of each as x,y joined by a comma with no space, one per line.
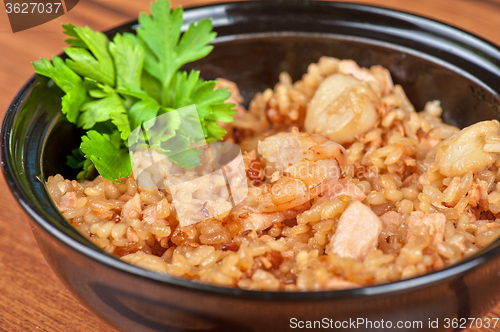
31,297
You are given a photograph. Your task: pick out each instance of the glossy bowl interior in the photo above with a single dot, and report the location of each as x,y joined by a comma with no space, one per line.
256,41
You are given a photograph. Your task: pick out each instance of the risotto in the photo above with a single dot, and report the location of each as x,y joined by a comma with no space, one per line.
347,185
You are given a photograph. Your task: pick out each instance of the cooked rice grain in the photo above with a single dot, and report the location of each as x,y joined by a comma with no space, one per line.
393,164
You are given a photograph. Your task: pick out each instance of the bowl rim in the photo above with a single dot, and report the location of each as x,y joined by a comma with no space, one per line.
101,257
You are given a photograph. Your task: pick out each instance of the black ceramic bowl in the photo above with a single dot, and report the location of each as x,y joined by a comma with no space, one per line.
258,40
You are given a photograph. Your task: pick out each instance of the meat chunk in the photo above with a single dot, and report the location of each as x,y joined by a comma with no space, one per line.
433,221
132,234
149,217
478,194
68,201
262,221
391,218
132,209
357,232
105,215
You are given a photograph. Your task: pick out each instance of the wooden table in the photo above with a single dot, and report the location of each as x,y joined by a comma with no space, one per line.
31,297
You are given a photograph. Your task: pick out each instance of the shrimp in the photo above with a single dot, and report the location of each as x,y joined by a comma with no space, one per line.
310,165
307,166
286,149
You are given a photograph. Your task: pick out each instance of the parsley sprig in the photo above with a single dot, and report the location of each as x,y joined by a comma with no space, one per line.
114,86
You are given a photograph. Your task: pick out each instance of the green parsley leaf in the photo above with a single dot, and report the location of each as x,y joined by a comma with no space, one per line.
161,32
68,81
110,159
143,111
190,89
69,29
188,158
151,86
204,96
183,88
88,172
136,82
150,83
134,91
76,159
222,112
94,61
164,128
128,59
108,108
214,130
